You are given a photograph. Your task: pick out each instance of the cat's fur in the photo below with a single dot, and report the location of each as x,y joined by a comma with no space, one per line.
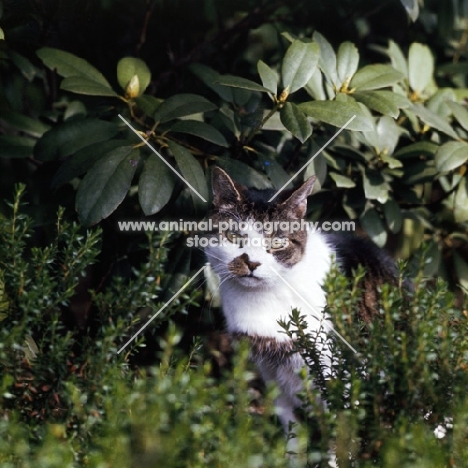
260,286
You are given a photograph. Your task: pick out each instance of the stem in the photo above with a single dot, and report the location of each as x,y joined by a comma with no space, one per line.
261,124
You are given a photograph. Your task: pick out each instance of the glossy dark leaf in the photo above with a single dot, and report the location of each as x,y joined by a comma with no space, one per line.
238,82
202,130
181,105
375,186
372,224
393,215
80,162
69,65
347,61
23,123
338,113
375,77
461,201
460,112
451,155
268,76
420,67
106,184
83,85
342,181
244,174
210,77
299,64
433,120
191,170
71,136
296,121
16,147
155,185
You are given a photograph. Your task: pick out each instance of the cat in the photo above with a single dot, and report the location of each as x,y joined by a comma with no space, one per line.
266,272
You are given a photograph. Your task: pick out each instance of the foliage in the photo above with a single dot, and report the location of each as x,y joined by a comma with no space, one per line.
257,88
68,398
401,399
399,167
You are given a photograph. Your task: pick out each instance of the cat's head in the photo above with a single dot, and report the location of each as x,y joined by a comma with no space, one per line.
252,235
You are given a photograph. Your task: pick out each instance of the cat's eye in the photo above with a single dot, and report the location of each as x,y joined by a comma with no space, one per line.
235,237
278,243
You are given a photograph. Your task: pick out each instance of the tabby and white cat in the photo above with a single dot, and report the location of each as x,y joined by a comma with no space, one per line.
263,279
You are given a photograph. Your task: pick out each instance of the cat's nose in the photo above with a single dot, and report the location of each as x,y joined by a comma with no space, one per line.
251,265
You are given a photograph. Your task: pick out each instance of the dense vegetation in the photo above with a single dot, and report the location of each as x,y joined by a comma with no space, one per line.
256,88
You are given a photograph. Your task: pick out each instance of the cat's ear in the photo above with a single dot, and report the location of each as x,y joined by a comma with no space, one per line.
226,192
296,205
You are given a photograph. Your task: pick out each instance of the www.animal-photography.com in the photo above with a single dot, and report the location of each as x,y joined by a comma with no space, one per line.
234,233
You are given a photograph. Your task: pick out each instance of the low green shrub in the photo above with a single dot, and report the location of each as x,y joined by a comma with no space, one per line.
70,399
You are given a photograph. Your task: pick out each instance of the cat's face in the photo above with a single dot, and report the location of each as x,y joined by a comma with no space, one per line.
252,236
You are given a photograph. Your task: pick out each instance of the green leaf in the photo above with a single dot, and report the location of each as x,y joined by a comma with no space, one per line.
416,150
375,77
391,162
461,267
461,201
388,133
238,82
327,60
16,147
347,62
106,184
276,173
419,173
433,120
372,224
314,86
385,102
375,186
299,64
68,138
191,171
32,127
2,35
243,173
460,112
393,215
181,105
68,65
210,77
438,103
83,85
295,121
155,186
148,104
420,67
202,130
74,109
268,76
342,181
338,113
127,68
397,58
451,155
28,70
80,162
412,8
